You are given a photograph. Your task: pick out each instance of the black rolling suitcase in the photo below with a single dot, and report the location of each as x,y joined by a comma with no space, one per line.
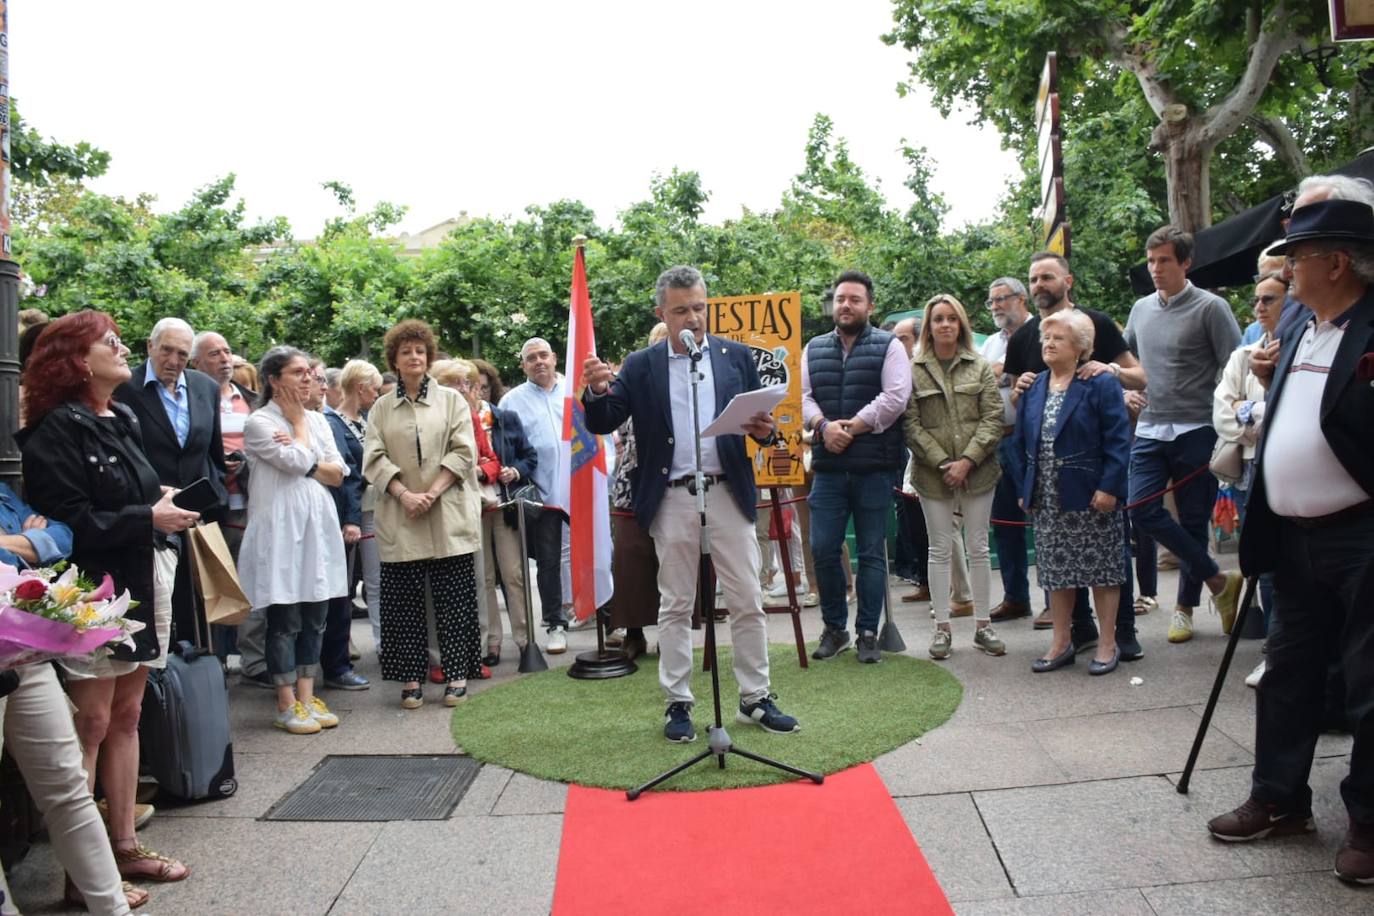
184,736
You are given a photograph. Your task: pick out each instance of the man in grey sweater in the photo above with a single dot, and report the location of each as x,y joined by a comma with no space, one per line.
1183,337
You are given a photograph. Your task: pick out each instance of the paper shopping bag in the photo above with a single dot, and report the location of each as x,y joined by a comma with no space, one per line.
217,580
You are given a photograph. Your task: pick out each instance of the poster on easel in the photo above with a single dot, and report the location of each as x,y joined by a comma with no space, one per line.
770,324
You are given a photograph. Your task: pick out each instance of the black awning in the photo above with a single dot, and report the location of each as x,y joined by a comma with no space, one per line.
1225,254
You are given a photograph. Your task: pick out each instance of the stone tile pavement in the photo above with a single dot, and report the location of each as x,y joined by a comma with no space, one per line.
1044,794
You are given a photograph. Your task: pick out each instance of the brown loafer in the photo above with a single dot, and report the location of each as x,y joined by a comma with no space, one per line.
961,609
1009,610
1044,621
922,593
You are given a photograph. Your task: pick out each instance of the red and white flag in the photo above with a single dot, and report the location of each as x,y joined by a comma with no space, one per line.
584,465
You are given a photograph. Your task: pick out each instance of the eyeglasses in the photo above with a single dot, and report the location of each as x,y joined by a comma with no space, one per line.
1266,299
1290,262
113,342
998,300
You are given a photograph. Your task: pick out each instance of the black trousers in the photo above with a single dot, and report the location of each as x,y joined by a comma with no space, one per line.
913,520
544,528
1324,603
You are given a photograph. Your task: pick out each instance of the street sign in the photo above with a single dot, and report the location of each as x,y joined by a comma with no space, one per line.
1052,209
1059,240
1352,20
1049,149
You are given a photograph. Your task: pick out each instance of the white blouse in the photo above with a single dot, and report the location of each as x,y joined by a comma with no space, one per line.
293,548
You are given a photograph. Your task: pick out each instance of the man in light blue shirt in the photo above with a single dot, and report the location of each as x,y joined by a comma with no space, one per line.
165,370
29,539
538,402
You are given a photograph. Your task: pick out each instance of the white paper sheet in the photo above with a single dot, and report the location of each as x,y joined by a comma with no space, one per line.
742,407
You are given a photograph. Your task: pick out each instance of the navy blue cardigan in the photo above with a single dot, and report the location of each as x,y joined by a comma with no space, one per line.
1092,440
348,496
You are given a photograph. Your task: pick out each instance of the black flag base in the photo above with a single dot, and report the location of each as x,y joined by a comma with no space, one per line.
595,666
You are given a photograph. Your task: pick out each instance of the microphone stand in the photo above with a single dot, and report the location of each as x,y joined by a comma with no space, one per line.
718,742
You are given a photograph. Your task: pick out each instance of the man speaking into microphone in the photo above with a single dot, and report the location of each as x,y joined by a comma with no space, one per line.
654,389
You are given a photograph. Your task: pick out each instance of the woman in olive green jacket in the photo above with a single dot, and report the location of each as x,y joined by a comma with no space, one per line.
953,425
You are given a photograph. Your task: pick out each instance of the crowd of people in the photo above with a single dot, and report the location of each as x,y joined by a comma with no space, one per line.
413,483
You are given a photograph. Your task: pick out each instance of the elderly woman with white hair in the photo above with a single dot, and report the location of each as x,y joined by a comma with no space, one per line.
1070,452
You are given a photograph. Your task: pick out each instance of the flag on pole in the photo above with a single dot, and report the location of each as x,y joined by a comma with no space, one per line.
584,464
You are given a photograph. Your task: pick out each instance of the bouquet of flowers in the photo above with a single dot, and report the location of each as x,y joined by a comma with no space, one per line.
59,613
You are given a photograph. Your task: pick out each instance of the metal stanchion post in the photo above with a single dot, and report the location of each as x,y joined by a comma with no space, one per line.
531,659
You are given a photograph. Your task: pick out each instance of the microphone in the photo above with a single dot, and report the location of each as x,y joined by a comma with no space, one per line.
689,342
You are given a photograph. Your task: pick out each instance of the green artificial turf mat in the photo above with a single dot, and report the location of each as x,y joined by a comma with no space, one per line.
610,733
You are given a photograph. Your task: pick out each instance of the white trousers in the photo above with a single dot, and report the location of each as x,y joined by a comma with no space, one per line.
735,553
943,529
41,738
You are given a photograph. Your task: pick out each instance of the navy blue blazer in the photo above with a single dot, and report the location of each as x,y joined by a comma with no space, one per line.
1347,407
512,446
1093,440
348,496
641,393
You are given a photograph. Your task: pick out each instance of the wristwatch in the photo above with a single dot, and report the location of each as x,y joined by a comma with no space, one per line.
313,468
771,440
1116,369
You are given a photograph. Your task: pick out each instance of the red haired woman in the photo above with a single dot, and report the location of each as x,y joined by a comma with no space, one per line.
84,466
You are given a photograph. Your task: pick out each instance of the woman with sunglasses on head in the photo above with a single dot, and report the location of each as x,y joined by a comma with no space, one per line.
1238,408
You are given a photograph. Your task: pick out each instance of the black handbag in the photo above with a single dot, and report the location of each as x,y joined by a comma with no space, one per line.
525,491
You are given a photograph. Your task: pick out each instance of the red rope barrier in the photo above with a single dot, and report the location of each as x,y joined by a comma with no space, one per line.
1187,478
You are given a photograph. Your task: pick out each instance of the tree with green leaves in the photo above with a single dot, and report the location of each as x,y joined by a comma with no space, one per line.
1208,72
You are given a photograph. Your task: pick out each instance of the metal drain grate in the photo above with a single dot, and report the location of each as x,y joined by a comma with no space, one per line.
379,788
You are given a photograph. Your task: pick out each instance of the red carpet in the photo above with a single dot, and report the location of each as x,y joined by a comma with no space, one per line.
841,847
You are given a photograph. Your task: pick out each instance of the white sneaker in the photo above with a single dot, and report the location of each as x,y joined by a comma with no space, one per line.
1253,678
616,638
297,720
320,713
811,600
558,641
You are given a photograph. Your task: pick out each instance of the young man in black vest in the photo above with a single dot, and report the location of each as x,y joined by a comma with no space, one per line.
855,385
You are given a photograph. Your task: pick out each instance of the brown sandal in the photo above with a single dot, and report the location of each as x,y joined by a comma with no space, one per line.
167,868
135,897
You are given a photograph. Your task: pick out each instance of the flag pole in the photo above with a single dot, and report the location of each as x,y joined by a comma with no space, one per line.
603,663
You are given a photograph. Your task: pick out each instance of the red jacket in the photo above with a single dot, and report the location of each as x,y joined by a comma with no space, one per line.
488,465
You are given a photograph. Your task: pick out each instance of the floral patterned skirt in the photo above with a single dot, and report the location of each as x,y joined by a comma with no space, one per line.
1077,549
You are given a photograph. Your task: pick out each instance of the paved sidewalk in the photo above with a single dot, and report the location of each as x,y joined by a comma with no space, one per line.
1051,794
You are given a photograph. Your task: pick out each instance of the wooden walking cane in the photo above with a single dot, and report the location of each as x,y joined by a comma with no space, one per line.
1236,627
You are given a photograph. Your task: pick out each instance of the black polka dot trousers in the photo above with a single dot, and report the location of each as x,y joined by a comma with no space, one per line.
453,586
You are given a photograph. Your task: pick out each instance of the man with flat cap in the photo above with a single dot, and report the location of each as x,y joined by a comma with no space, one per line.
1310,521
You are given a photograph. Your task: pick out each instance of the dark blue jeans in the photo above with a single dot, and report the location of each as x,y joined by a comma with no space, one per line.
1010,539
1146,562
835,496
1153,465
293,640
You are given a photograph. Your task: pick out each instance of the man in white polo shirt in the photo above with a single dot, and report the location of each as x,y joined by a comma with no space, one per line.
1310,521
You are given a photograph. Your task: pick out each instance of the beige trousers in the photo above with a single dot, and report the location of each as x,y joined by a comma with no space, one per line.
501,546
39,735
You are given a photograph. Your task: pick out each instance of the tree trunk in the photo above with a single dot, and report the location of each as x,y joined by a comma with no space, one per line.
1362,115
1187,169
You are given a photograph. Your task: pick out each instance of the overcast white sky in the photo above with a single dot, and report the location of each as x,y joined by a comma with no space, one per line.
484,107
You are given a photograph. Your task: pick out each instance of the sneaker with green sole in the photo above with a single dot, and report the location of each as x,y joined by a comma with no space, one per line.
941,644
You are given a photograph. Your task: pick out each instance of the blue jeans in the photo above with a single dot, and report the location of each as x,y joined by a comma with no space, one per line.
1011,539
835,496
294,633
1153,465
